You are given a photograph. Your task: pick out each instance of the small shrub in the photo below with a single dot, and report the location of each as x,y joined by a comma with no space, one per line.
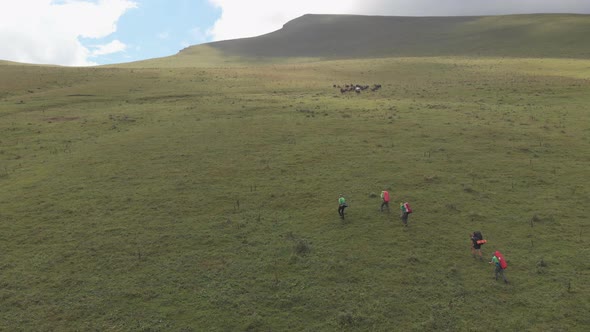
187,329
413,259
345,319
452,207
454,270
254,323
302,248
430,178
541,263
469,190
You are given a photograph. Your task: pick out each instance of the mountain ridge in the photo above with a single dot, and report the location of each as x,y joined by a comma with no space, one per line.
354,36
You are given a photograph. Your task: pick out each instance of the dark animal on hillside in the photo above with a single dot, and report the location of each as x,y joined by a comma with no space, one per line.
356,87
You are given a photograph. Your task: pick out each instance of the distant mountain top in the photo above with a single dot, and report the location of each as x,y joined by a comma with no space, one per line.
353,36
6,62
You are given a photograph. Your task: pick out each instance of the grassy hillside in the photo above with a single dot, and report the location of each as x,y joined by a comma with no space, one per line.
6,63
204,199
206,56
346,36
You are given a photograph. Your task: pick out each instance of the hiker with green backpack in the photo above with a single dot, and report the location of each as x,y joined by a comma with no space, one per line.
341,206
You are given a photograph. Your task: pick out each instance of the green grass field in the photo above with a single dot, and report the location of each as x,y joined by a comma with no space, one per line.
204,198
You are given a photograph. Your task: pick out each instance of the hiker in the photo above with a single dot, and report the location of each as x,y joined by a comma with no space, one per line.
476,242
405,212
500,265
341,206
385,198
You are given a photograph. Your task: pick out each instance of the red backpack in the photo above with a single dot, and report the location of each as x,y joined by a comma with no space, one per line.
501,259
407,207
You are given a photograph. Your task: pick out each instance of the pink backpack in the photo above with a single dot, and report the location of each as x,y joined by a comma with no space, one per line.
407,207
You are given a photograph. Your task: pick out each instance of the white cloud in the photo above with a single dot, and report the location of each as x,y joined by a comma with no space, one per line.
471,7
163,35
46,31
113,47
241,18
198,35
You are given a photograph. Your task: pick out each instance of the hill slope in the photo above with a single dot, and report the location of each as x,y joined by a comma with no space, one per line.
204,199
345,36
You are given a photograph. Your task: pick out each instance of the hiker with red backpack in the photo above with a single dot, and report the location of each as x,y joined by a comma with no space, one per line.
476,242
500,265
405,212
385,198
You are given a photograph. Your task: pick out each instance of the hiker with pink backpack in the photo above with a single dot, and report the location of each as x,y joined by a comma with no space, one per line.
405,210
385,200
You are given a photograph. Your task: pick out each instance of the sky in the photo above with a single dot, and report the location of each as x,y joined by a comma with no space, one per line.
95,32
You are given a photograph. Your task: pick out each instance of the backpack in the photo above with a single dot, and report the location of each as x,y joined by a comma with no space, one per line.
501,259
407,208
386,196
479,238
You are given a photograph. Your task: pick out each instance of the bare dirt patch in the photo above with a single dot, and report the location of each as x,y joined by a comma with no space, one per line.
62,118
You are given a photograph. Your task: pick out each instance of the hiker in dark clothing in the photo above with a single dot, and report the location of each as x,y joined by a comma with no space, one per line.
476,242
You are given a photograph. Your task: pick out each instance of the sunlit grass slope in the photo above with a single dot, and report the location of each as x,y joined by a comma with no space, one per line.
204,199
206,56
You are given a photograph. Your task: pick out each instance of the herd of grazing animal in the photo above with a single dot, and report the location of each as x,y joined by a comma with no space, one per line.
357,88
